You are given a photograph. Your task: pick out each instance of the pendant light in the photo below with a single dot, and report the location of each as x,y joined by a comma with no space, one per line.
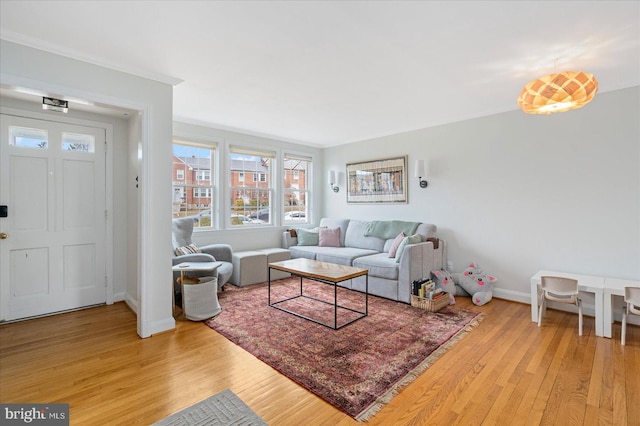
558,92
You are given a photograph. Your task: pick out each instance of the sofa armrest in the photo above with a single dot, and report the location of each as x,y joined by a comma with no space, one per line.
195,257
417,261
288,240
221,252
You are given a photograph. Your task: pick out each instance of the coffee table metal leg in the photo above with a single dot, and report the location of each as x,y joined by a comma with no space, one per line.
335,306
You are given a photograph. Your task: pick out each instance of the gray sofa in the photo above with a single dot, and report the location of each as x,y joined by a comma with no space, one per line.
387,277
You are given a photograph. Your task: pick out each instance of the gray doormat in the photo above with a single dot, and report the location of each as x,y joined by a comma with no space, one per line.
224,409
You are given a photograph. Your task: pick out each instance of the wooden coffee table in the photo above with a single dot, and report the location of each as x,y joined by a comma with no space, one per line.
324,272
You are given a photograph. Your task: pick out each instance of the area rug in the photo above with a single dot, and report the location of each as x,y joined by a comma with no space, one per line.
222,409
357,368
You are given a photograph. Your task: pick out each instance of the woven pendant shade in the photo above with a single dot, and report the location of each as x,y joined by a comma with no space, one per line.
558,92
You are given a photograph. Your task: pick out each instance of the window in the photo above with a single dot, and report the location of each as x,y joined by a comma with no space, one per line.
297,170
78,142
250,200
203,174
259,177
202,193
193,188
28,138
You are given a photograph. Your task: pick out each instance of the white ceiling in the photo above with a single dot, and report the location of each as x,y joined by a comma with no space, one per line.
326,72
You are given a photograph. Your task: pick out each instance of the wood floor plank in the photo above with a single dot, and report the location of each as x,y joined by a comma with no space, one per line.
505,371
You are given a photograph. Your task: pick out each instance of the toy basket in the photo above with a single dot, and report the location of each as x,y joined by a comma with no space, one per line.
430,305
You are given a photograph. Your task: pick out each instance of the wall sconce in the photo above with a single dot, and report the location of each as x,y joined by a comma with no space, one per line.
419,172
332,181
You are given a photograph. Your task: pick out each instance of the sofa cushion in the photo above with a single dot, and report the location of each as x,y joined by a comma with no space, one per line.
427,230
379,265
306,252
336,223
341,255
355,237
329,237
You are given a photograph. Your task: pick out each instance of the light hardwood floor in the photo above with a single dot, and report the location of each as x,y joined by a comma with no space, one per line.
507,371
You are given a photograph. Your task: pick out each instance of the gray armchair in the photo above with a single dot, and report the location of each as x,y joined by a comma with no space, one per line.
182,230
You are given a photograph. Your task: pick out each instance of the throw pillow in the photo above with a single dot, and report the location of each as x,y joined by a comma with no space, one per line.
189,249
411,239
329,237
307,237
396,243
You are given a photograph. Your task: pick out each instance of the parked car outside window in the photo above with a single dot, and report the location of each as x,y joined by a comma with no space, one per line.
262,214
295,216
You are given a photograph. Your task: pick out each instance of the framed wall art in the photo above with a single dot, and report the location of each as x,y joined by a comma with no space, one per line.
377,181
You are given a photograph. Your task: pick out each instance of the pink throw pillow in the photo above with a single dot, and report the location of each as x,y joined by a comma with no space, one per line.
396,244
329,237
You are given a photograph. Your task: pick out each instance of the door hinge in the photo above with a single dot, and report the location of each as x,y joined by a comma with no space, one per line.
105,146
106,214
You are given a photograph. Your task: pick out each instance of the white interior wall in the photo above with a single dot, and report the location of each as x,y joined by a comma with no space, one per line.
254,237
32,68
519,193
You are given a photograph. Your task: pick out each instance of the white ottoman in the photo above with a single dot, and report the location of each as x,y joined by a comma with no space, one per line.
277,255
249,267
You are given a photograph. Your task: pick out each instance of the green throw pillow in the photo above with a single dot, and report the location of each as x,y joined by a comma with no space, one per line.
307,237
411,239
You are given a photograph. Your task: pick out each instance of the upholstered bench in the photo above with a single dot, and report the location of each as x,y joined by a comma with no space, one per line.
277,255
250,267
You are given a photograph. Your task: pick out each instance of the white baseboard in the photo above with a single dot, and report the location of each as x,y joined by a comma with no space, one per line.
119,297
132,303
149,328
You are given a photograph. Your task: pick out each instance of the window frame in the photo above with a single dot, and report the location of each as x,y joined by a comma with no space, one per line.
294,188
190,187
245,196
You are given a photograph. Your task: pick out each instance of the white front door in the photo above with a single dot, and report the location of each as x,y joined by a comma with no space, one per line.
52,180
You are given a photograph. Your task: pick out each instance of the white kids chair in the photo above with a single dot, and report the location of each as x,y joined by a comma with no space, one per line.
632,306
563,290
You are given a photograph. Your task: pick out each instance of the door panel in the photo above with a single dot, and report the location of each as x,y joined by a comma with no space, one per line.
78,203
29,272
53,180
34,172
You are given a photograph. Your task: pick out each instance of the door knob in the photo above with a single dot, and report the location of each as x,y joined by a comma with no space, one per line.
3,236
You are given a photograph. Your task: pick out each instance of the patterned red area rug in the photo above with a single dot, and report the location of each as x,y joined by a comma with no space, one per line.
357,368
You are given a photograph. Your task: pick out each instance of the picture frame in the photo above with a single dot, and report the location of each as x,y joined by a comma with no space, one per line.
382,181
